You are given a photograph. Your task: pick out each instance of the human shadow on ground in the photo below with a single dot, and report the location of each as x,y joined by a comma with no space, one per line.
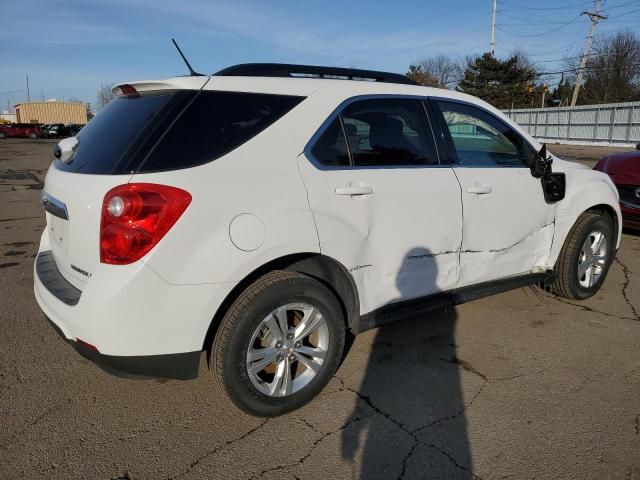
412,423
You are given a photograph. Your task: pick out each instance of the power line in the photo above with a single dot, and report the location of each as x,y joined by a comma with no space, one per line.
540,34
360,40
632,2
565,7
626,13
569,58
592,67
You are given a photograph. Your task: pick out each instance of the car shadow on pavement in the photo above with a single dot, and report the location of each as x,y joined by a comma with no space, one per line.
411,386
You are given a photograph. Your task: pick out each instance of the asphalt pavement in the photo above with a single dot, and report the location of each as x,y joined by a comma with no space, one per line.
518,385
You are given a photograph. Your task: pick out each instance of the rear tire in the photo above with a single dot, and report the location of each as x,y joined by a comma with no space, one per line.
264,371
33,135
585,257
2,135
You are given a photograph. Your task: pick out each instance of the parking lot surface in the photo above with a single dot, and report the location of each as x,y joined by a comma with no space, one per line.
519,385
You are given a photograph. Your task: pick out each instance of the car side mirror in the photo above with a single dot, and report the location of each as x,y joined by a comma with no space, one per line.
541,164
554,185
65,149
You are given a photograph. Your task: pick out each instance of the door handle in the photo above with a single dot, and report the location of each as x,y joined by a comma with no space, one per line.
354,190
480,189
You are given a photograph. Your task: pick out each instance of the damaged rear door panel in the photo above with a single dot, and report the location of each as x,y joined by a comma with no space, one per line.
393,216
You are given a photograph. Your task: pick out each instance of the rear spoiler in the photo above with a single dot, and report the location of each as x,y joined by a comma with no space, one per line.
177,83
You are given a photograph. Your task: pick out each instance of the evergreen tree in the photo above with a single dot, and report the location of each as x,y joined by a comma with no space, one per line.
561,95
502,83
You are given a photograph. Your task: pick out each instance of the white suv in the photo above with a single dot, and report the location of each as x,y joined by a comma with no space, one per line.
261,213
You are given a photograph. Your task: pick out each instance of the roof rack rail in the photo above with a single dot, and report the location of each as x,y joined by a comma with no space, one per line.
311,71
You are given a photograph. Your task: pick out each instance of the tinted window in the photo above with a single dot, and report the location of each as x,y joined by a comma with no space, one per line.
480,139
172,130
106,143
213,125
331,148
389,132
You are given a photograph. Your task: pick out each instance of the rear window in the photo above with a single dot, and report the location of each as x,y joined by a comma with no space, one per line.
111,141
169,131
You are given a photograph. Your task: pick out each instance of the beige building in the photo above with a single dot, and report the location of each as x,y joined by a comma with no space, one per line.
51,112
7,118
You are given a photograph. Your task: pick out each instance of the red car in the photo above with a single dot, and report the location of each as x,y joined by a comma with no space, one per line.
624,170
21,130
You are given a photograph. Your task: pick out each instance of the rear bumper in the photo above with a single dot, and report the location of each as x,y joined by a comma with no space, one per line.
181,366
631,220
139,324
630,215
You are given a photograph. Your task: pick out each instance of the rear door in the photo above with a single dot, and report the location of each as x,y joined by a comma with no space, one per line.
508,226
383,205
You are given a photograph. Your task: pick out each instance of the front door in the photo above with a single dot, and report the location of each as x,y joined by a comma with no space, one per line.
383,205
508,227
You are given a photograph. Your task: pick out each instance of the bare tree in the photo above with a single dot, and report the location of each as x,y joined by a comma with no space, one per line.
612,73
522,59
440,71
104,95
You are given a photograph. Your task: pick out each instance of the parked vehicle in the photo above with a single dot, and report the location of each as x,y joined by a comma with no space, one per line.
21,130
262,212
55,130
73,129
624,170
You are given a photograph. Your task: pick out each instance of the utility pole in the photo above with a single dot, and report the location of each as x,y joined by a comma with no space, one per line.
595,16
28,95
492,48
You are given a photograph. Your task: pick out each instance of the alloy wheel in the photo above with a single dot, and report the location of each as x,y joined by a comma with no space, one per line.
592,259
287,350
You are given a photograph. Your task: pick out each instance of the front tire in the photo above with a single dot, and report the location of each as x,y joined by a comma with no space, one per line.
279,344
585,257
2,135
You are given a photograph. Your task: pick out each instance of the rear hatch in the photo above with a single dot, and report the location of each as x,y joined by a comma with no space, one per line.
150,127
109,149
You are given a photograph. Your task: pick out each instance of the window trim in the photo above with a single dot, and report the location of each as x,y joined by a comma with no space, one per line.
338,113
448,140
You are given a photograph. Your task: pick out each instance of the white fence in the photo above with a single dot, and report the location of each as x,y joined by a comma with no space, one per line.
613,123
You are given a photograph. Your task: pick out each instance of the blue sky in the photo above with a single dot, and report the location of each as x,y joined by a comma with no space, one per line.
76,45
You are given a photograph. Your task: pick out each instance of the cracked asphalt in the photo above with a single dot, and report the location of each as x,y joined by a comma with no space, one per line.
519,385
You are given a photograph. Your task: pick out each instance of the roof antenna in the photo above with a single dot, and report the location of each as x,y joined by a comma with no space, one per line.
192,72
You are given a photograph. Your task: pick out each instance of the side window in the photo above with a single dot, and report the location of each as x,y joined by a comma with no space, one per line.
480,139
331,148
389,132
214,124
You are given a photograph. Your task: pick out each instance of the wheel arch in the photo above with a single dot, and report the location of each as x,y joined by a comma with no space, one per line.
607,209
586,192
323,268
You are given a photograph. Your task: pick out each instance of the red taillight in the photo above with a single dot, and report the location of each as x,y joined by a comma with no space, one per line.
135,217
